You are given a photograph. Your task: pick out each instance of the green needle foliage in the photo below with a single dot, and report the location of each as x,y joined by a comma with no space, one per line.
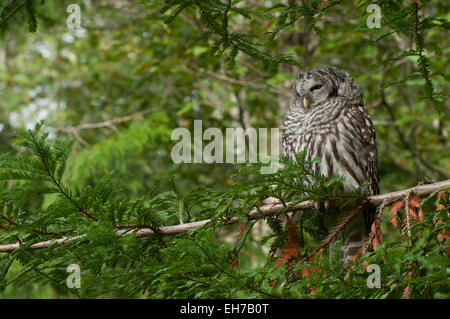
199,263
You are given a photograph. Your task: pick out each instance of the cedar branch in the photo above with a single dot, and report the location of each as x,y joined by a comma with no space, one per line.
260,212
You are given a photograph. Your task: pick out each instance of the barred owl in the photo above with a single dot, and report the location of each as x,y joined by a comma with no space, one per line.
328,120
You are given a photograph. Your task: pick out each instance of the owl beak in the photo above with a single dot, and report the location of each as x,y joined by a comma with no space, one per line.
305,102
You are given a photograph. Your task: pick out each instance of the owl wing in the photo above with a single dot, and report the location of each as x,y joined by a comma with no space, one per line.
359,143
358,140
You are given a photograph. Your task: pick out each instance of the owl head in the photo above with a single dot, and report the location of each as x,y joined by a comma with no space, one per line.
312,88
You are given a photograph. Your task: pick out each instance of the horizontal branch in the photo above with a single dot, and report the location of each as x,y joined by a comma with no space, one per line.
108,123
263,211
245,83
151,16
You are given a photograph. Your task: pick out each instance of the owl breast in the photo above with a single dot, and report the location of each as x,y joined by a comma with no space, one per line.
339,136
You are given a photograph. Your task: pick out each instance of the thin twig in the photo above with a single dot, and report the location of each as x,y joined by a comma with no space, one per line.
420,162
109,123
155,16
408,222
335,232
259,87
17,8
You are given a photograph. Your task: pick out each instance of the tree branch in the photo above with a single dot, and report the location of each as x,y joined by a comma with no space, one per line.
421,163
13,11
108,123
260,212
242,82
151,16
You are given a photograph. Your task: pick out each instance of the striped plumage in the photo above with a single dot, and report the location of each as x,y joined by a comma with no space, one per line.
328,120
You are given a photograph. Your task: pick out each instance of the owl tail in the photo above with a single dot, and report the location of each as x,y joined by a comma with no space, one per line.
353,236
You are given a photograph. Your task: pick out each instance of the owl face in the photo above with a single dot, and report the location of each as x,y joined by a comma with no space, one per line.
312,88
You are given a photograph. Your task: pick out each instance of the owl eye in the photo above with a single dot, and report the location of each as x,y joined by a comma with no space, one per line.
316,87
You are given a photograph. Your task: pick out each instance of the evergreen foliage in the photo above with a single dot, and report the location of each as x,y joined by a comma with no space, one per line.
196,264
114,91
